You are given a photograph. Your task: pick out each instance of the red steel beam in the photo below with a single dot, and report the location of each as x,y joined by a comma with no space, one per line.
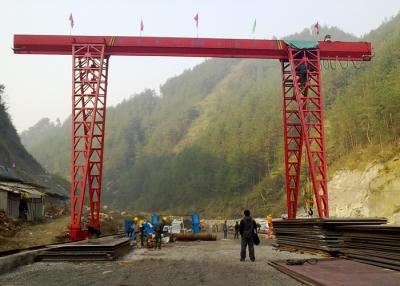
185,47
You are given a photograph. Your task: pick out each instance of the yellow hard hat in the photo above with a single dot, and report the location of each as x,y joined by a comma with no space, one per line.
135,218
141,221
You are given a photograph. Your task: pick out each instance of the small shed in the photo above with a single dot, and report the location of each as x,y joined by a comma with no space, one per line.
10,198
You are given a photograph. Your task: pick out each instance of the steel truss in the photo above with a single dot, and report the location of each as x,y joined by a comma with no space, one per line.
304,125
89,90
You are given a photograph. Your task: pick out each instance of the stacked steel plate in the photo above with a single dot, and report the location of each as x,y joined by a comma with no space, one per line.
375,244
104,248
316,233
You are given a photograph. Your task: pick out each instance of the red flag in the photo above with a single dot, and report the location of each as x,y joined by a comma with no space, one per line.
71,20
141,25
196,18
316,26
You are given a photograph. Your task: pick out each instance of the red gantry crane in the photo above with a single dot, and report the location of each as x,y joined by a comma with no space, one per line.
303,107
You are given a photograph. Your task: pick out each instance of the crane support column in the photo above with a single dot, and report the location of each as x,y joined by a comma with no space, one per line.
309,114
89,90
293,139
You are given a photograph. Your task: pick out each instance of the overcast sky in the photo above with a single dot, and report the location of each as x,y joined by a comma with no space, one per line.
40,86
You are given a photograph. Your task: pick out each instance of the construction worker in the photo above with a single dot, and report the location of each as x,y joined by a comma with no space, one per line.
247,229
269,223
302,71
23,206
225,230
142,233
158,230
136,230
237,226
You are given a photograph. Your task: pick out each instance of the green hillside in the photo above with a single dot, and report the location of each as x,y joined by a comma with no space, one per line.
212,140
14,156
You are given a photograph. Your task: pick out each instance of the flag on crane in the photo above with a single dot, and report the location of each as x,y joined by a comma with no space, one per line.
71,20
196,18
317,27
254,26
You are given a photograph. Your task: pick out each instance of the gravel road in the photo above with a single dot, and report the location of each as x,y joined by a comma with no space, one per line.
182,263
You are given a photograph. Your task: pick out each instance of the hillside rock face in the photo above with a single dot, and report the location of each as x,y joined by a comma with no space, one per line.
371,192
14,157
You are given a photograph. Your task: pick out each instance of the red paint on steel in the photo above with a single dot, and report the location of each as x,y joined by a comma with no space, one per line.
310,116
89,90
302,108
184,47
293,139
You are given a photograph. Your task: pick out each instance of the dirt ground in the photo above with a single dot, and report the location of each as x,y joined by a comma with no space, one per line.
30,234
27,234
181,263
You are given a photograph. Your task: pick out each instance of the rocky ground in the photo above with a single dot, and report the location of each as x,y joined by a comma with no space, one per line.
181,263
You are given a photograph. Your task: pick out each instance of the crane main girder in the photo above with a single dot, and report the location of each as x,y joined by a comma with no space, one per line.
185,47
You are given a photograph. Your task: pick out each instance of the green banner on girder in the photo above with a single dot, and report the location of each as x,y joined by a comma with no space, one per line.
302,45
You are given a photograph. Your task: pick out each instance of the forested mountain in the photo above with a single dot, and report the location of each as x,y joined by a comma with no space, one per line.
18,161
211,141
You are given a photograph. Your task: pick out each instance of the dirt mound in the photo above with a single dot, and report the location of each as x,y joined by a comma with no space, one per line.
9,227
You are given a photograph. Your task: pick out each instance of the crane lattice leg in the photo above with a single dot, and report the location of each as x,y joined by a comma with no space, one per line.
303,114
89,90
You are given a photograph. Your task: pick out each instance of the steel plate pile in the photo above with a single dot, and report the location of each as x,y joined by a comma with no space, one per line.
104,248
316,233
377,245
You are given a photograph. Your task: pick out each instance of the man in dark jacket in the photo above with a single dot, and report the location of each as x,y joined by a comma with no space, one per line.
247,229
237,226
158,230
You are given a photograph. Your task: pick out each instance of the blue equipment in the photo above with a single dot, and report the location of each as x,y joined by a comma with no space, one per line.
196,223
154,219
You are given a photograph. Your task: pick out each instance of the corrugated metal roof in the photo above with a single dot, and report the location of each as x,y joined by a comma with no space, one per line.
17,187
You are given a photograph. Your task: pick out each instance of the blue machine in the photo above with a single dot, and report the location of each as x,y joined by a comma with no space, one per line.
196,223
155,219
148,229
128,223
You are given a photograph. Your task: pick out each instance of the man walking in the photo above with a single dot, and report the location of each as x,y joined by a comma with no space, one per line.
237,226
225,229
247,230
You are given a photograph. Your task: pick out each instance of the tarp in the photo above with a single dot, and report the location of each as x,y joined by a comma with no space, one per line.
302,45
